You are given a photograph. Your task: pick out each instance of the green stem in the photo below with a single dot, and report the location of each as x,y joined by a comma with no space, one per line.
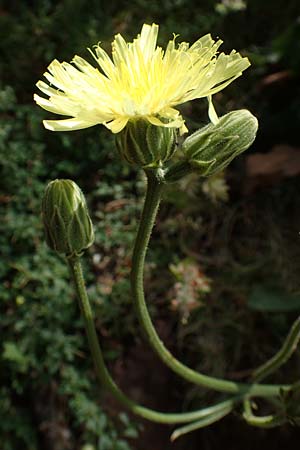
270,421
103,374
205,422
151,205
266,369
282,356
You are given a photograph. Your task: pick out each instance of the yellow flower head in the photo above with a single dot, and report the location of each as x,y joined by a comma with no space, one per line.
140,81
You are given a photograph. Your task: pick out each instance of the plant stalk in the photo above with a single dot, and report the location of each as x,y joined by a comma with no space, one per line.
104,376
152,201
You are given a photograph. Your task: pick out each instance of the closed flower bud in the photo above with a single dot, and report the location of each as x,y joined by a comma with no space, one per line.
146,145
67,223
177,171
213,147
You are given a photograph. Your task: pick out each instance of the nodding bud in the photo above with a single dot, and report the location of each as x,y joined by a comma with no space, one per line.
146,145
213,147
68,227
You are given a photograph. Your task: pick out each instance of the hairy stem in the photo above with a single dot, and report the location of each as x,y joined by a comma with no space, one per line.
151,205
104,376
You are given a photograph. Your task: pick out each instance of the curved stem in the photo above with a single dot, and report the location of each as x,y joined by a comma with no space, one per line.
266,369
204,422
151,205
104,376
271,421
282,356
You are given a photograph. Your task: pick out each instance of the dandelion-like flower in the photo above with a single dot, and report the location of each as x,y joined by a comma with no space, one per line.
141,81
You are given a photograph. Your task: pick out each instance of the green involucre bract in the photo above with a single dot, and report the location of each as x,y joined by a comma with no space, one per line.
68,227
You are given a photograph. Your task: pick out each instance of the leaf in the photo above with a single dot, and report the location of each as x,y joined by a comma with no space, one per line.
271,299
12,353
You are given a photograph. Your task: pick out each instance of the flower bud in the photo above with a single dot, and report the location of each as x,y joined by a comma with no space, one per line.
177,171
68,227
213,147
146,145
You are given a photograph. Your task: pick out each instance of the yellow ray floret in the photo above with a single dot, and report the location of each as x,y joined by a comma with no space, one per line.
140,81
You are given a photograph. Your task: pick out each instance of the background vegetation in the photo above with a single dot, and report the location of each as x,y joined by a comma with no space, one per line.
223,269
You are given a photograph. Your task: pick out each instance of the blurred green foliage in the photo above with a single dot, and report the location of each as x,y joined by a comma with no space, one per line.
48,395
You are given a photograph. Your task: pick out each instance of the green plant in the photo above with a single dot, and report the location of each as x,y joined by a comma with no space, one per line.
245,243
136,70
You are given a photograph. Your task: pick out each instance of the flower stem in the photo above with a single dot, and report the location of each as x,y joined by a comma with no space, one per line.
151,205
104,376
